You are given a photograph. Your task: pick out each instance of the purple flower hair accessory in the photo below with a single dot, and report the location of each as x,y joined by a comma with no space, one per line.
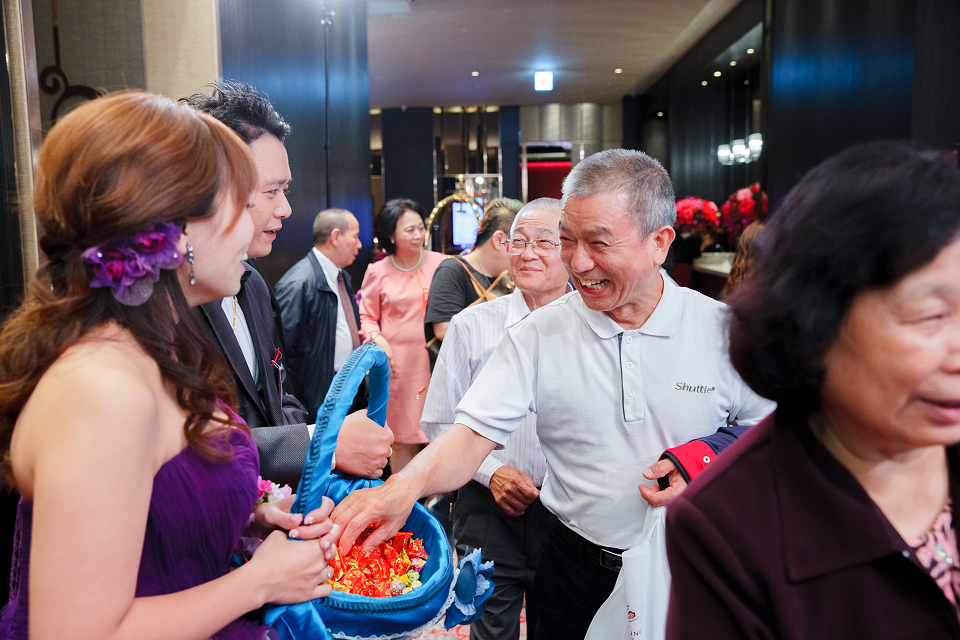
131,266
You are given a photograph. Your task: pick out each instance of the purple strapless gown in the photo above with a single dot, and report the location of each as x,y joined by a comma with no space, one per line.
197,510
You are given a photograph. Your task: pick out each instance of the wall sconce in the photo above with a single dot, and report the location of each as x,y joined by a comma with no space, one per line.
741,151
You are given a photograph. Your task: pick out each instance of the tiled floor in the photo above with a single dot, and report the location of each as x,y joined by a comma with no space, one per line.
463,632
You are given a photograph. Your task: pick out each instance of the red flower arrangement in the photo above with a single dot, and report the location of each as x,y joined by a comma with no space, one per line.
741,208
697,214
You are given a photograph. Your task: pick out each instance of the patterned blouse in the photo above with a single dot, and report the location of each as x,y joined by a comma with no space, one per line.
937,552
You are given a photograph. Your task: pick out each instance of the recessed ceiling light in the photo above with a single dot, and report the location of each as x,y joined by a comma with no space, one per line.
543,80
618,70
704,83
749,50
716,74
374,111
659,114
733,63
746,82
437,110
474,73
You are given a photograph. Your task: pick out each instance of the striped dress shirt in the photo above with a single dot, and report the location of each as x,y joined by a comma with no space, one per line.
472,336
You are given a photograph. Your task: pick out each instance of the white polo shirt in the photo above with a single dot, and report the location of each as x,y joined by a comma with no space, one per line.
613,400
472,336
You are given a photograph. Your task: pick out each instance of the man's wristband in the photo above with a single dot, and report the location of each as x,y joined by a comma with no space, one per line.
374,335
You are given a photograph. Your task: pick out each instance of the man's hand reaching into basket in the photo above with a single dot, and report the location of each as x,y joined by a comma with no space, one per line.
446,464
384,509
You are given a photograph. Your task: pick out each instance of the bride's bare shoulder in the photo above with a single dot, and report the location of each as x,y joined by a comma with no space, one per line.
104,391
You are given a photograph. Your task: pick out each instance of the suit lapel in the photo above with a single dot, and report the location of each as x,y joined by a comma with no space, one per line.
262,336
213,313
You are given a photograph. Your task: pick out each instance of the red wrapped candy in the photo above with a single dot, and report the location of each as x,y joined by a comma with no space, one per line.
391,569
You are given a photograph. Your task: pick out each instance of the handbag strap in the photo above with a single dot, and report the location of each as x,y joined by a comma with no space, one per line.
317,467
483,295
477,287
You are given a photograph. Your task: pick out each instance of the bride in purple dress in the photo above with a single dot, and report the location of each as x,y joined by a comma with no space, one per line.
136,478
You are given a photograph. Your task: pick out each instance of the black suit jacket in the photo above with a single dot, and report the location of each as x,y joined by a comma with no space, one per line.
276,418
308,312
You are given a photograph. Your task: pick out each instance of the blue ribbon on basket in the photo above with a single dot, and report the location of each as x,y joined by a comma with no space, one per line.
458,594
471,591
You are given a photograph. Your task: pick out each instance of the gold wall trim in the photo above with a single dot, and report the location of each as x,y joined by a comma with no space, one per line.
25,103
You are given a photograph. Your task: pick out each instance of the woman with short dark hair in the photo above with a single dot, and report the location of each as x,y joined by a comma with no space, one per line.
393,299
833,518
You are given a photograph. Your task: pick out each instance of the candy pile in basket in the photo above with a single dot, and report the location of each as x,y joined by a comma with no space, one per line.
392,569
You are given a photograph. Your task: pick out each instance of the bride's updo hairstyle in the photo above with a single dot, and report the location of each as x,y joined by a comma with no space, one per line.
109,171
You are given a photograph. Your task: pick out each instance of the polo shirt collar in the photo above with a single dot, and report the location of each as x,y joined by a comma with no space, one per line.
662,322
517,309
821,500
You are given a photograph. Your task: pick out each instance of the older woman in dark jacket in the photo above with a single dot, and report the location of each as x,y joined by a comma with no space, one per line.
833,518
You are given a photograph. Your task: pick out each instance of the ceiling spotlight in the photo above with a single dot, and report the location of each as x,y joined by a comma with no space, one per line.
543,80
746,82
716,74
659,114
733,63
704,83
749,50
474,73
618,70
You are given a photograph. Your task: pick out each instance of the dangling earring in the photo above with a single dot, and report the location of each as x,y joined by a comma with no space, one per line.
190,259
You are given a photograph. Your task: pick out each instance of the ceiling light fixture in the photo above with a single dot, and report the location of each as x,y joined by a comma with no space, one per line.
733,63
543,80
474,73
704,83
717,74
618,70
749,50
659,114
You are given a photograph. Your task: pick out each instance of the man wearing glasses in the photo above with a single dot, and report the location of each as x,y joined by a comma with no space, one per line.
499,511
630,381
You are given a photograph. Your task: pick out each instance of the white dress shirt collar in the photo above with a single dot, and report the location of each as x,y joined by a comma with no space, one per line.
330,270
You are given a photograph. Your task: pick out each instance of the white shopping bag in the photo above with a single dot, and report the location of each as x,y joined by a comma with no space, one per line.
637,607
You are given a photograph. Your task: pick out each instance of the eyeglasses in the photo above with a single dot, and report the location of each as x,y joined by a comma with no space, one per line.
541,247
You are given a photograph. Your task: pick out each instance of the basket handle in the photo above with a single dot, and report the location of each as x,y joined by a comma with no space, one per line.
316,468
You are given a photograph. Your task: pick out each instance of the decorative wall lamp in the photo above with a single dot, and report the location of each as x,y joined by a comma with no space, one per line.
741,151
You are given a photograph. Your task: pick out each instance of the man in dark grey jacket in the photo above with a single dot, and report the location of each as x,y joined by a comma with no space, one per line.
318,310
244,324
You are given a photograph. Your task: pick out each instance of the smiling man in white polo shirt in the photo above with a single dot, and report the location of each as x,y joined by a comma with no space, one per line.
630,373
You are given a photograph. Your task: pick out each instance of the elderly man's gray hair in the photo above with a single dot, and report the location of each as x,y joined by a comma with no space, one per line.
328,220
642,179
545,204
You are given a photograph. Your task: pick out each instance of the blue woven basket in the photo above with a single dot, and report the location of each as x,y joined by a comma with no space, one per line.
347,615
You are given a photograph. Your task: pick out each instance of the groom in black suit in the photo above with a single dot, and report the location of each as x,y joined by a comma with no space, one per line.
244,324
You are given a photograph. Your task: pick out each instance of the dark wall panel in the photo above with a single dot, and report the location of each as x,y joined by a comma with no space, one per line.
408,154
841,73
510,151
278,47
936,68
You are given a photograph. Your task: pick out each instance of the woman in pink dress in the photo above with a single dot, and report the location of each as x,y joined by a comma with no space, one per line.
392,302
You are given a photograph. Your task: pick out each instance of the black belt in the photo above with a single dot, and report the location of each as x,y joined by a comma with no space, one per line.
607,557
